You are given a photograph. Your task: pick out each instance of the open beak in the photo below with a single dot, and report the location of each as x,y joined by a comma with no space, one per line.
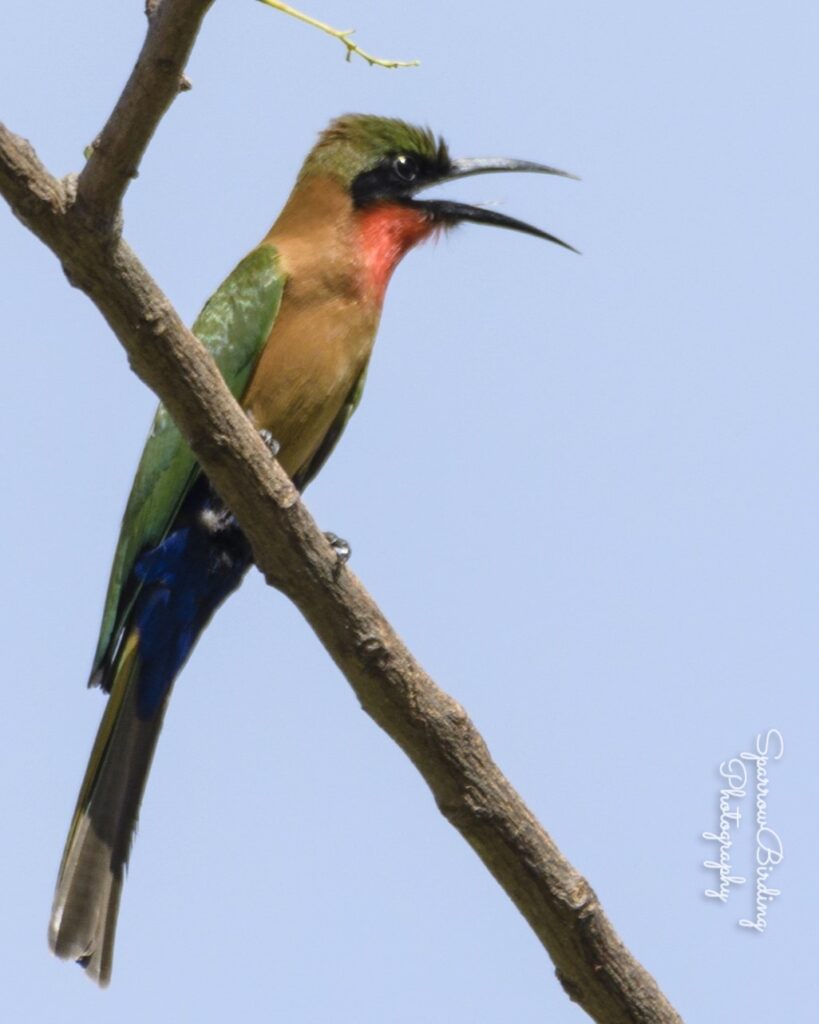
450,213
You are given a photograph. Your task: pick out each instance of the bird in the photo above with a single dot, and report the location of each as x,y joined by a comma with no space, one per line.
291,330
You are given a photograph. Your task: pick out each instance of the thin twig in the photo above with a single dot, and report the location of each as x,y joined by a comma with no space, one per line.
343,34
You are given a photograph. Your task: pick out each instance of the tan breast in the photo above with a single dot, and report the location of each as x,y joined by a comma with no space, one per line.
326,326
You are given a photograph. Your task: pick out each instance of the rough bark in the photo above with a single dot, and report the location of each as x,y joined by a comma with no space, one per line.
78,219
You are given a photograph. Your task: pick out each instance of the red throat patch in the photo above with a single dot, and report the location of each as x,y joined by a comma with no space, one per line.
387,231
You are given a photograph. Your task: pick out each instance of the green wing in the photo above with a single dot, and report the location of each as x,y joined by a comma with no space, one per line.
233,326
303,477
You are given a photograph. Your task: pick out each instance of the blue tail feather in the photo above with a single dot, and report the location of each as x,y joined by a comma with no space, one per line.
184,580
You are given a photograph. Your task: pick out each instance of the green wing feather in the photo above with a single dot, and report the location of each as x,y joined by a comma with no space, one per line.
233,326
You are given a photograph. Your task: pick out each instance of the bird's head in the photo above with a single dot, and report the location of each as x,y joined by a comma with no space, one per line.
383,163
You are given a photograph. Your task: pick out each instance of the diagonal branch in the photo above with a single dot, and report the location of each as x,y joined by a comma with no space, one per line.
594,967
154,83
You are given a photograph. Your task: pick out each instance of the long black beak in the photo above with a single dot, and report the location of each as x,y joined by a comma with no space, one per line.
450,213
468,166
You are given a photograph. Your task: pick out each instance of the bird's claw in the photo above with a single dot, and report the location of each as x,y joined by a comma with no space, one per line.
271,443
340,546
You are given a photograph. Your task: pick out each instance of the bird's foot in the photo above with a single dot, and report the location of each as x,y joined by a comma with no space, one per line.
270,442
215,518
340,546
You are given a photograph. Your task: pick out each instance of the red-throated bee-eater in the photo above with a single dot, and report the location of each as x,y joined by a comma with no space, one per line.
291,330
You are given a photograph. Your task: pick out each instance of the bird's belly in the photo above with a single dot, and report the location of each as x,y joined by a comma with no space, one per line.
312,359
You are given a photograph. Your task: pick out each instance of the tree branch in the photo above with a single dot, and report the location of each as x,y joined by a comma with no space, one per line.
156,79
594,967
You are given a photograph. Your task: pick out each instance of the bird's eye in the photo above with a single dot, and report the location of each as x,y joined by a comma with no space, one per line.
405,167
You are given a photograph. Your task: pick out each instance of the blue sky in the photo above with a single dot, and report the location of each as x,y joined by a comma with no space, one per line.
584,489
